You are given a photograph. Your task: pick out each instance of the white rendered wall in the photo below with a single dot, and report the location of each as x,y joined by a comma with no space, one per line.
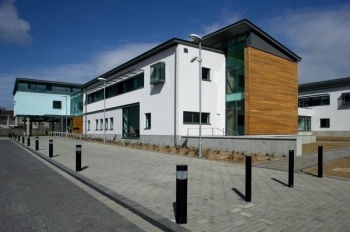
338,114
29,103
213,92
155,99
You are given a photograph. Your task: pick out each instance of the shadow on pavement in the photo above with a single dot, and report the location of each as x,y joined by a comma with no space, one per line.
238,193
279,182
83,168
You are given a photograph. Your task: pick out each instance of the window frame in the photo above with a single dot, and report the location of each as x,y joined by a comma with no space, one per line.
88,127
96,124
111,123
203,71
344,95
327,123
53,105
101,123
157,73
148,122
194,116
106,124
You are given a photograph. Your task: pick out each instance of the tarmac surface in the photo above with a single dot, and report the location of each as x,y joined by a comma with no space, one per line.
215,189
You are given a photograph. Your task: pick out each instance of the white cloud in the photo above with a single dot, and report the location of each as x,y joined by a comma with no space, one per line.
12,28
321,37
72,73
106,61
227,17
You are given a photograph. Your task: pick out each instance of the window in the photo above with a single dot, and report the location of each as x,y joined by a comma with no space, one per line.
131,122
111,123
101,124
148,121
185,50
57,105
96,127
308,101
88,125
206,74
157,73
121,87
346,98
193,117
324,122
106,123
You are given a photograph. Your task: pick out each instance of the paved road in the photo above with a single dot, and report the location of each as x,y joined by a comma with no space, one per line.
33,197
307,160
215,190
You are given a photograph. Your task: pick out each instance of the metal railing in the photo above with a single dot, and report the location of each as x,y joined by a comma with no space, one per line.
221,132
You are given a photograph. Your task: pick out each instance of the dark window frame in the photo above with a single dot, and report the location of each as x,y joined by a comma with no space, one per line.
57,107
324,123
206,74
194,117
148,118
157,73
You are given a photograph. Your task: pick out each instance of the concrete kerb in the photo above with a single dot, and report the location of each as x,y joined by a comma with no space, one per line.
148,215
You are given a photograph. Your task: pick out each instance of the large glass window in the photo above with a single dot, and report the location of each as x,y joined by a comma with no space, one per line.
131,122
128,85
193,117
235,65
76,104
304,123
157,73
235,117
23,87
313,101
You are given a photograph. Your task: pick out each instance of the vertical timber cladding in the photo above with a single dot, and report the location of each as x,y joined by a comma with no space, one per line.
271,94
78,125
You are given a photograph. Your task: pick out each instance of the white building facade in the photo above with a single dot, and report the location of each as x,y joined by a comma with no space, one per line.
155,97
324,107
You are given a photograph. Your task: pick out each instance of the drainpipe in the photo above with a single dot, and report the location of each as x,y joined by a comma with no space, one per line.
175,81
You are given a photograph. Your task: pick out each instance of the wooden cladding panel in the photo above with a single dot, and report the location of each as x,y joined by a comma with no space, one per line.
78,125
271,94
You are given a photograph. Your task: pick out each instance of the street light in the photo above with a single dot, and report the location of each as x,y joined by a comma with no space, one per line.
104,107
66,111
197,39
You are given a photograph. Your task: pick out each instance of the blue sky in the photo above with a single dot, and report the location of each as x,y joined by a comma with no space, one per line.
75,41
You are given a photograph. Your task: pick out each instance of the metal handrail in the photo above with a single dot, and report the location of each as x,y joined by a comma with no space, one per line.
232,131
212,130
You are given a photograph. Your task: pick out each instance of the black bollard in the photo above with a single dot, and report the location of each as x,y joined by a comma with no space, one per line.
320,161
50,148
248,178
28,141
9,135
19,138
181,194
15,136
36,143
22,139
78,158
291,169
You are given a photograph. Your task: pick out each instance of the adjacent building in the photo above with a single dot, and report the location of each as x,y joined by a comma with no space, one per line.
324,107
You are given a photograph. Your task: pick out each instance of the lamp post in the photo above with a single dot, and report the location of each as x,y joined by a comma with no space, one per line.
197,39
66,112
104,107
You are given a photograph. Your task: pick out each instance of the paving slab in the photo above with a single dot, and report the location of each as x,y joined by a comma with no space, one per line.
215,189
306,160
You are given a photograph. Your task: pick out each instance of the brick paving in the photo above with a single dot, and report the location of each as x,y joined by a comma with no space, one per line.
33,197
215,190
307,160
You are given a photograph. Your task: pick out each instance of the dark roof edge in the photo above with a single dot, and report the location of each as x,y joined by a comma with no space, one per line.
170,43
18,79
340,82
261,32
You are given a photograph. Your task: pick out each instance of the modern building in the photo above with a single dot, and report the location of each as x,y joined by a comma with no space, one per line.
44,103
324,107
249,86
